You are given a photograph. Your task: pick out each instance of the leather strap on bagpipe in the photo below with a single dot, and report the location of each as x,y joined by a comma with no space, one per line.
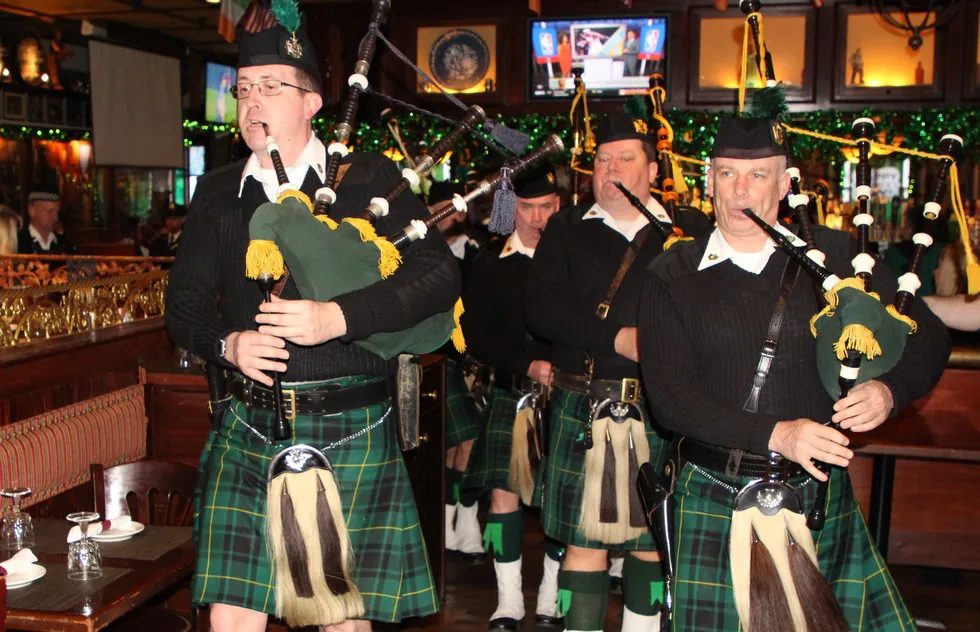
665,145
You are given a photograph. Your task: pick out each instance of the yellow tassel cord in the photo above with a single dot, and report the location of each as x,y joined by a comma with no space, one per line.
263,257
913,326
326,220
299,195
458,341
858,338
673,239
390,258
833,300
587,141
745,59
972,267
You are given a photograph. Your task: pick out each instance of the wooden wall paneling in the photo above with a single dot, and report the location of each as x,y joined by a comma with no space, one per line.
971,58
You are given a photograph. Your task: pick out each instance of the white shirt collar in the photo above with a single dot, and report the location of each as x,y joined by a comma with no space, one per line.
45,243
314,156
514,245
719,250
631,228
458,245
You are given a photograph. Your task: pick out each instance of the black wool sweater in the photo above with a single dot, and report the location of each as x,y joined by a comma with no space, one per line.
701,334
573,267
209,296
494,322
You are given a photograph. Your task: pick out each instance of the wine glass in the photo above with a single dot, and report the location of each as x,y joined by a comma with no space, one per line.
84,558
18,529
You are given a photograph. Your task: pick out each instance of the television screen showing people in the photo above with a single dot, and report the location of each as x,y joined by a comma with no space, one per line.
219,105
617,55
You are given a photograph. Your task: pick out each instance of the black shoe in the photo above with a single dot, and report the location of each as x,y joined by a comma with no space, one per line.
544,621
615,585
472,559
505,623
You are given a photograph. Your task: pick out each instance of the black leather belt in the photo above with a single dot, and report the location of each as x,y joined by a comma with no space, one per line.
325,400
729,462
626,390
512,382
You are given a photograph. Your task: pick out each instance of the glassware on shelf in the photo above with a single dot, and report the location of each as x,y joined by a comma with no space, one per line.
18,529
84,557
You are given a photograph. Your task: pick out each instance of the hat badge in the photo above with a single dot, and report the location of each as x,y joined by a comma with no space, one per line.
640,126
778,134
293,48
551,178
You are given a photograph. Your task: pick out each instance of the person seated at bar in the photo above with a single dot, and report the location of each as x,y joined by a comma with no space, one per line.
41,236
167,242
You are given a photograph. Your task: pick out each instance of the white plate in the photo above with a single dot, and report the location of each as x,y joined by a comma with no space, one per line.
25,577
118,535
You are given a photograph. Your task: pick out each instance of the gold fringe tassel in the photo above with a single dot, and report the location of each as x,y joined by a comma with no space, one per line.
458,341
673,239
913,326
859,338
972,267
363,227
326,220
390,258
263,257
299,195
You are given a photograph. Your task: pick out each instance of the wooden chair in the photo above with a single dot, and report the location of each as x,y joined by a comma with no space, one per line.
155,493
152,492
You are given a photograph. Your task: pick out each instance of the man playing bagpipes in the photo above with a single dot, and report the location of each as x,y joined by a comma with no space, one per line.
463,416
583,295
336,394
749,425
509,449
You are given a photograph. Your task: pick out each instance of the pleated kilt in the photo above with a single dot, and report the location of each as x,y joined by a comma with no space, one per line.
463,418
490,459
564,473
390,563
704,600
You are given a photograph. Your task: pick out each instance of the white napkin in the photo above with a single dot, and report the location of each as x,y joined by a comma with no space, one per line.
122,524
19,562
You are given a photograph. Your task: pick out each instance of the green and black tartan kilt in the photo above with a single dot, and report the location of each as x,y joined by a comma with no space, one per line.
462,416
490,459
390,563
564,473
703,599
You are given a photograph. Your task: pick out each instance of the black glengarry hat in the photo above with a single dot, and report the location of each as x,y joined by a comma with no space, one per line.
44,193
749,138
539,182
622,126
286,43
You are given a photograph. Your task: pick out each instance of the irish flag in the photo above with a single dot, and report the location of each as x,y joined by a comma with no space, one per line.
231,13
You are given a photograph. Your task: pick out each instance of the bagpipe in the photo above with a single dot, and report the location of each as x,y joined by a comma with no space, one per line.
669,232
667,173
293,237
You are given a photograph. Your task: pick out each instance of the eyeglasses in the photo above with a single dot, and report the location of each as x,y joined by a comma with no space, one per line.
267,88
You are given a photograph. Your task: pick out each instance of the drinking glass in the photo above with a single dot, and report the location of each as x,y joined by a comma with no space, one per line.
84,558
18,530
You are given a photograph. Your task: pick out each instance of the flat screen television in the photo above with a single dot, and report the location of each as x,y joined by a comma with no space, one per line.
617,54
219,105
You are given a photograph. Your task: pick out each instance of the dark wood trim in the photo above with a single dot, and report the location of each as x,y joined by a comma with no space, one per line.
698,95
935,91
971,65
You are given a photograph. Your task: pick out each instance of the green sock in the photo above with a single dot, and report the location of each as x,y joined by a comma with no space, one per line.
583,598
643,586
554,549
453,478
505,535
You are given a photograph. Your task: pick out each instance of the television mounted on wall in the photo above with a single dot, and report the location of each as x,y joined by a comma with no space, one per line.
617,55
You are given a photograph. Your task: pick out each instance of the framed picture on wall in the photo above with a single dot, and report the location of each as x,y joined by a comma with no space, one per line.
75,113
461,59
55,114
877,61
35,108
14,106
716,53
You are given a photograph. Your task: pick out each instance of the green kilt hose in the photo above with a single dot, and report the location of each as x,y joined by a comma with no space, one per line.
703,597
490,458
564,473
390,564
462,416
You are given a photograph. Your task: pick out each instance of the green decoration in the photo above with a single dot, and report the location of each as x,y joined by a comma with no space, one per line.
493,538
636,106
564,602
287,14
657,591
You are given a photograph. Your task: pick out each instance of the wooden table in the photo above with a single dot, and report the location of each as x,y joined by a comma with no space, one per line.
134,571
